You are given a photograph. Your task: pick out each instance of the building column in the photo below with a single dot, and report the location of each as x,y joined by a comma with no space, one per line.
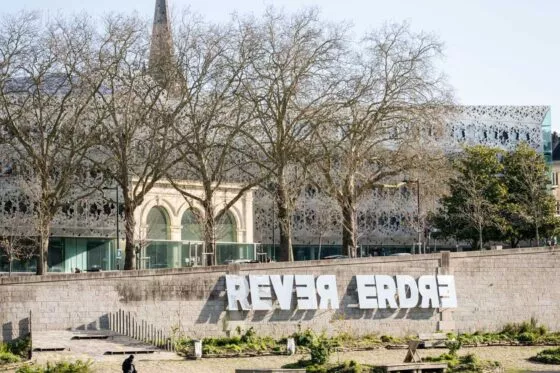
248,216
175,236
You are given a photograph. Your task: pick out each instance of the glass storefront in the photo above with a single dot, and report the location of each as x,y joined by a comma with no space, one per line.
177,254
85,254
229,252
68,253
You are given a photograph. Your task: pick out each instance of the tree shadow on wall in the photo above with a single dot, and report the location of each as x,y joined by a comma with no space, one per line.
216,303
9,333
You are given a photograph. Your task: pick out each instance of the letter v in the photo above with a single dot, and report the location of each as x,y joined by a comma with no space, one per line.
284,290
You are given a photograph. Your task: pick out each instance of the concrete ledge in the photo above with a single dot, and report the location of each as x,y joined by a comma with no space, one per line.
258,267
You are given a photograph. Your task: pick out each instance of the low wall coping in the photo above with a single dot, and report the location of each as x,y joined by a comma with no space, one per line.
259,267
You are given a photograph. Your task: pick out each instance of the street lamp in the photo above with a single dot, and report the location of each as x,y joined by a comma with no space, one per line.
420,229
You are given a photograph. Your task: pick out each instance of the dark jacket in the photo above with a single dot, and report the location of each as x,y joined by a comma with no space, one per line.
127,366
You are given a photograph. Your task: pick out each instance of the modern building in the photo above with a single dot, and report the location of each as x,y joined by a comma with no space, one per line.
555,170
387,218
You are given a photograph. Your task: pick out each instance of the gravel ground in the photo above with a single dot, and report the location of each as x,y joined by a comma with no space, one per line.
514,359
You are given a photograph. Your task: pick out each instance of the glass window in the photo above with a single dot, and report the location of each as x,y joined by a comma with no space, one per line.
190,223
55,258
226,230
158,226
98,254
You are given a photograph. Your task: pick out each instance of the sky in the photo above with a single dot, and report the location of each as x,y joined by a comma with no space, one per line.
498,52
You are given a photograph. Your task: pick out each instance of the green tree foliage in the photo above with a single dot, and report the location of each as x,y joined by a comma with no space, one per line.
497,195
529,207
471,211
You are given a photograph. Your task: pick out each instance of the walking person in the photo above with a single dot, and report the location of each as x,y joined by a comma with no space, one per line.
127,366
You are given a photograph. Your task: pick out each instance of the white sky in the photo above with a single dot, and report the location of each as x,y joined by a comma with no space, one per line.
498,52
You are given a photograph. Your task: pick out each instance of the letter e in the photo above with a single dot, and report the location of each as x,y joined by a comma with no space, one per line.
305,292
386,291
447,294
261,296
367,293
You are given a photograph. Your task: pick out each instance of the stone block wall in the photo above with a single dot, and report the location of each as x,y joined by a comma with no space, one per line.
493,288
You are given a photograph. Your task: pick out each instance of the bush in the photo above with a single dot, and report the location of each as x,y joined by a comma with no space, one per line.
350,367
247,342
305,338
78,366
8,358
320,351
19,347
527,337
453,346
346,367
468,363
531,327
548,356
527,332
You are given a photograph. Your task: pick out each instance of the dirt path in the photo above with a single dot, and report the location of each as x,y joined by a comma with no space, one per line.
514,359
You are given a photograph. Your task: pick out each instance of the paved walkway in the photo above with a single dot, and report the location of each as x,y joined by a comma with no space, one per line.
117,345
514,359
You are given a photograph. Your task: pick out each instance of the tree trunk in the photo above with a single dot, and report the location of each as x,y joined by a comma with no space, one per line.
347,203
480,236
513,242
284,220
349,243
285,225
537,233
44,233
209,232
129,225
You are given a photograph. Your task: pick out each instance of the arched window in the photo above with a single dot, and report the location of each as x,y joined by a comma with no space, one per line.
158,224
226,231
190,223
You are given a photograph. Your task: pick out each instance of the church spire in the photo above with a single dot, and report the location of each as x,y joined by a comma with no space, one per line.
161,49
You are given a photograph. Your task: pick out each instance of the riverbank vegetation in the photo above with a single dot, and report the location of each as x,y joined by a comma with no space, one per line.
249,343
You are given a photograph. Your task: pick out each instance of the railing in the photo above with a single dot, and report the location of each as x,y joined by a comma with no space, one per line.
124,323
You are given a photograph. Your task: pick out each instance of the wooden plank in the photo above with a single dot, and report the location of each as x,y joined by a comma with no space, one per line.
418,367
432,336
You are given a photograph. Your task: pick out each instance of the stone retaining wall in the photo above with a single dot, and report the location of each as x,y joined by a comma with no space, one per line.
493,288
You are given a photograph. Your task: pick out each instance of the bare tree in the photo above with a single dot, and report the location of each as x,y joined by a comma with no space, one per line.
135,113
18,241
208,127
45,104
391,111
318,216
289,84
